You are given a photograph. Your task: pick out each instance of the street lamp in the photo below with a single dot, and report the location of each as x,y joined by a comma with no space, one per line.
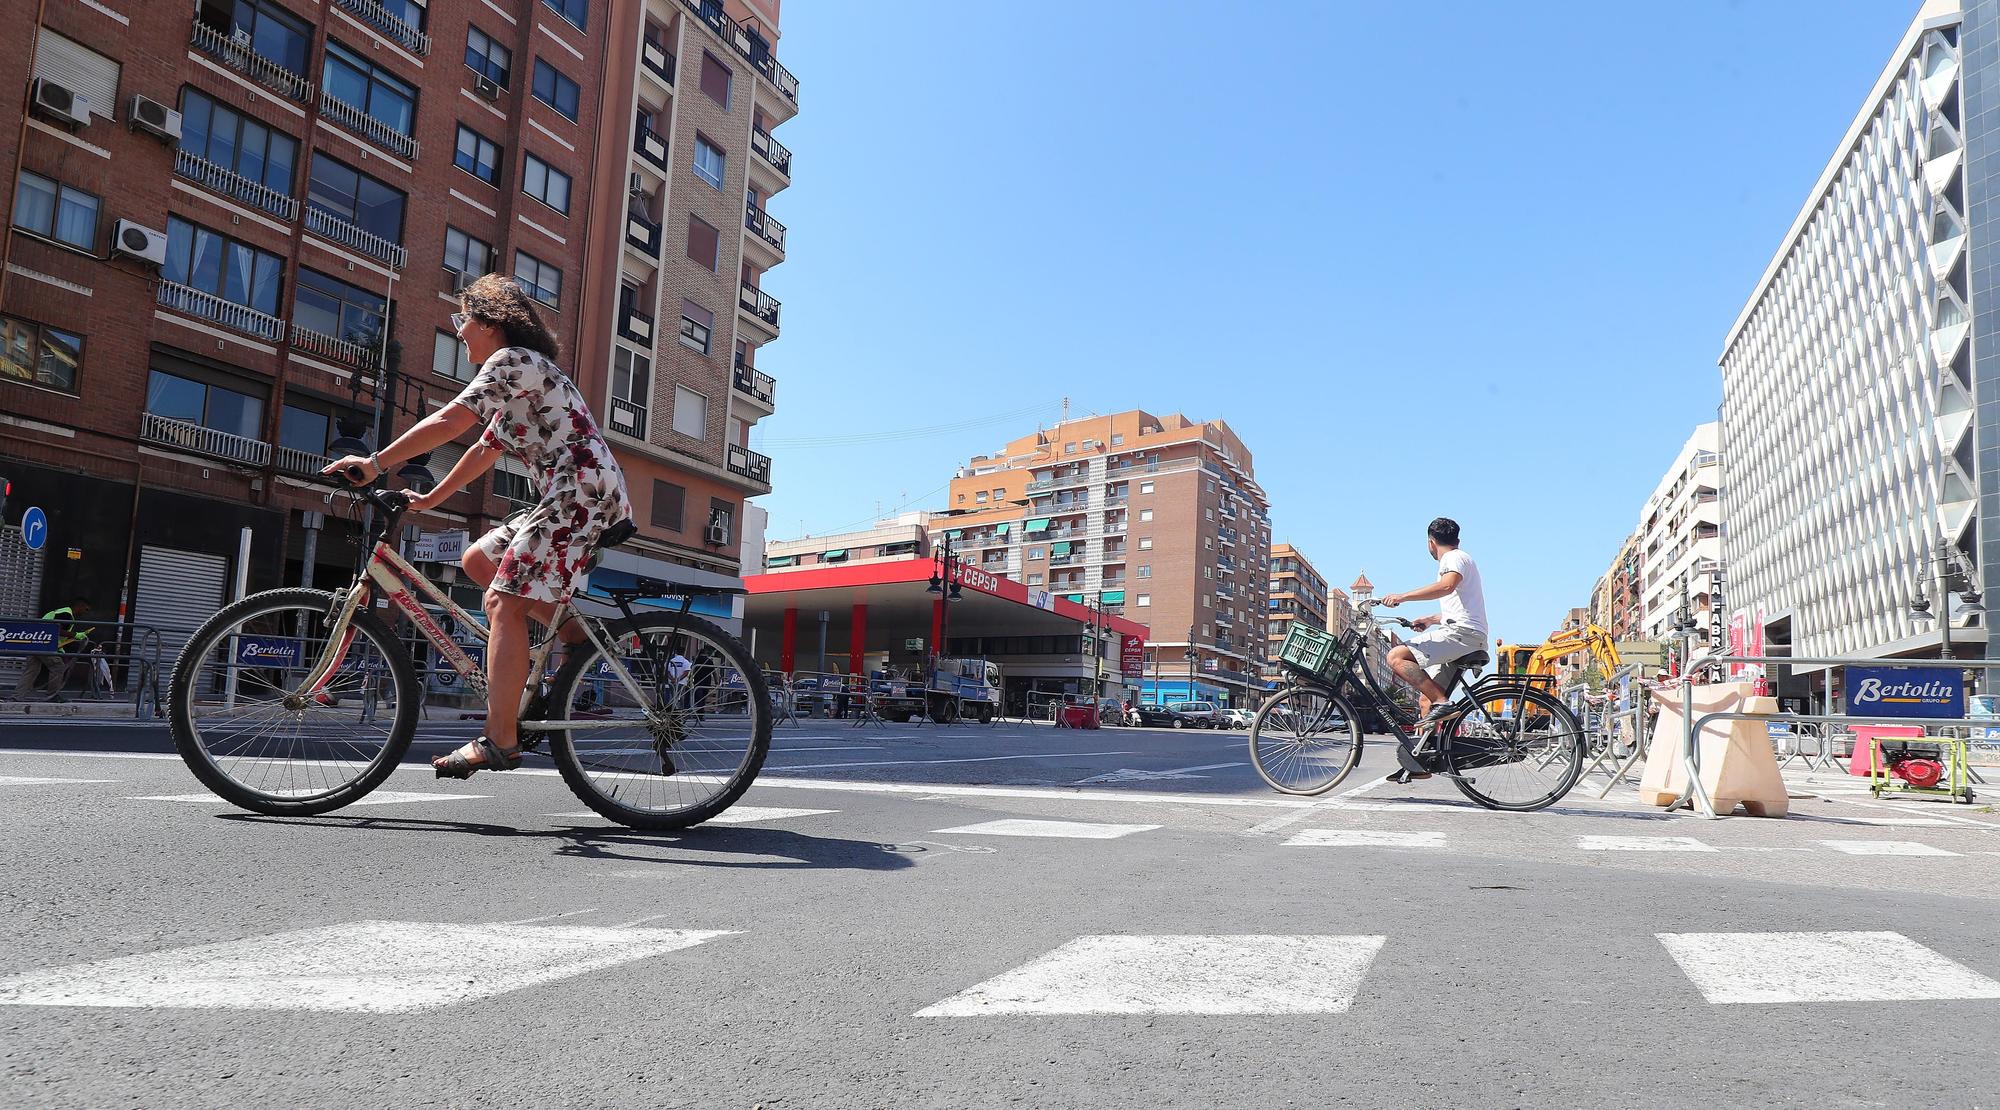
947,574
1946,561
1095,622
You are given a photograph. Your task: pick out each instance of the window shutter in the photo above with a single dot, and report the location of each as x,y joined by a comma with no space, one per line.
81,70
668,505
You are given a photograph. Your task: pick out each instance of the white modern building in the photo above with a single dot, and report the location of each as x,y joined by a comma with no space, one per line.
1680,537
1853,402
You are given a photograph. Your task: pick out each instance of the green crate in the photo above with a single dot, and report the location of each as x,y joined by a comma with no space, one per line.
1307,648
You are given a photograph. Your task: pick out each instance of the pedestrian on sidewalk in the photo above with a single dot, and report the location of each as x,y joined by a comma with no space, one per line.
54,670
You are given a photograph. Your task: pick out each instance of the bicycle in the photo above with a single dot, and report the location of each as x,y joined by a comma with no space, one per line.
1506,742
298,701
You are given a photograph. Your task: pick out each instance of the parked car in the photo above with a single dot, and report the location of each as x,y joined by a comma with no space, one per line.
1235,718
1111,711
1202,714
1161,716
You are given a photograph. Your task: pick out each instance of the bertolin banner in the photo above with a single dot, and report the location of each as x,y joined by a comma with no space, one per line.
28,637
1905,692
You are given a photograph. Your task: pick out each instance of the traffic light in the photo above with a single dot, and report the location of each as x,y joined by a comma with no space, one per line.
6,488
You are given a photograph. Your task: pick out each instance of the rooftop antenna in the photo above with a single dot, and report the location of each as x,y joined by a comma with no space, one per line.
1065,412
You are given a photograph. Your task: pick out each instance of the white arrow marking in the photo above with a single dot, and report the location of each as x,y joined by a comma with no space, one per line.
1128,774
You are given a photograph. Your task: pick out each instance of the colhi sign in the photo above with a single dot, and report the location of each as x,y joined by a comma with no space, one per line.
1937,692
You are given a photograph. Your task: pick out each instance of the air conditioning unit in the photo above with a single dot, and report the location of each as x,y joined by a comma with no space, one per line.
462,278
636,186
59,103
155,119
718,533
135,240
486,87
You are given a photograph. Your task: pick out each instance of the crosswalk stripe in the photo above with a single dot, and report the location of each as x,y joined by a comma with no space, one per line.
377,798
1820,967
1364,838
1885,848
18,780
734,815
1073,830
1177,975
1641,844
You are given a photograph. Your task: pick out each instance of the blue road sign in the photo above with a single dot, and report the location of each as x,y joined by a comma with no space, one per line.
35,527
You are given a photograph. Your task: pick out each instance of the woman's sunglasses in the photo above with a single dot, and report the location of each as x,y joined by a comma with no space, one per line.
458,322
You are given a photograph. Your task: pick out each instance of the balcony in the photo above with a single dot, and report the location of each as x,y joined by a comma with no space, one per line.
189,436
1115,500
656,62
357,355
760,305
635,326
628,418
772,152
208,306
214,178
291,460
650,145
234,51
765,229
755,384
375,15
1065,560
642,235
1114,527
366,126
752,48
750,464
323,223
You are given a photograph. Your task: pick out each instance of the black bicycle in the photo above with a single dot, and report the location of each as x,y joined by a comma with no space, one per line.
1506,741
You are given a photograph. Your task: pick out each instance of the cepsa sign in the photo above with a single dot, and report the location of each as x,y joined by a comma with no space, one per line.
1133,656
985,582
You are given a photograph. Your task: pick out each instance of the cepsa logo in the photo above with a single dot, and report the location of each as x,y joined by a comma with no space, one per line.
983,581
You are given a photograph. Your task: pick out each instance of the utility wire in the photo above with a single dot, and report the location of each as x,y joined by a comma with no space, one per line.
901,434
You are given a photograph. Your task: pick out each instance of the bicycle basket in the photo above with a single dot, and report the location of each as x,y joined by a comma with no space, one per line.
1315,651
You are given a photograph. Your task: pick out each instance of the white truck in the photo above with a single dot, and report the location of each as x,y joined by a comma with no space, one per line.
947,690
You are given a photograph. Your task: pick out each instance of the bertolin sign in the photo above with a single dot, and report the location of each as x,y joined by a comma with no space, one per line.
1905,692
28,636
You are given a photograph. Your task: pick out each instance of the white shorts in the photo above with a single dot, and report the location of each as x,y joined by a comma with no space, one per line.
1442,643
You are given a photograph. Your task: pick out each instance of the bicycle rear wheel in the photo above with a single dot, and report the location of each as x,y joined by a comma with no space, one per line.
249,733
713,724
1304,740
1522,757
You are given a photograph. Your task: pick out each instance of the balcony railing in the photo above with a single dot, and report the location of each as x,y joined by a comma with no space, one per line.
650,145
234,51
655,58
771,150
758,303
208,306
413,40
321,222
764,227
291,460
366,126
756,383
189,436
359,355
643,234
750,464
1064,560
231,184
628,418
635,325
753,49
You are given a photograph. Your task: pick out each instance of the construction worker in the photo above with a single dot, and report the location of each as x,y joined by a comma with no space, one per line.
56,669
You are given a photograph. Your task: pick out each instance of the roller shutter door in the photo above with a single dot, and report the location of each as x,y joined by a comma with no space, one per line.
177,591
20,593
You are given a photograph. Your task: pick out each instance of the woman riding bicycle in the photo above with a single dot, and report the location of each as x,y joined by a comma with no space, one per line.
531,562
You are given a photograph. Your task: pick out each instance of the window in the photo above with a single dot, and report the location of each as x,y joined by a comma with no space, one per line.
1117,438
332,307
350,195
1146,543
448,357
355,81
631,377
709,162
305,430
236,272
697,326
715,79
222,136
1209,513
1145,570
979,497
1036,552
1208,543
703,242
90,75
211,406
1208,572
511,486
1145,514
669,502
55,211
576,11
477,155
541,280
555,90
39,355
1034,580
465,255
721,518
1211,485
1204,601
1000,494
1069,448
1145,487
487,58
1144,600
690,413
545,183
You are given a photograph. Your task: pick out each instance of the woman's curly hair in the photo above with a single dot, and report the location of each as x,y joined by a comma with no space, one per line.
502,302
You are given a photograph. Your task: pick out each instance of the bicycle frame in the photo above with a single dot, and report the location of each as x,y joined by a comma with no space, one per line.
1474,695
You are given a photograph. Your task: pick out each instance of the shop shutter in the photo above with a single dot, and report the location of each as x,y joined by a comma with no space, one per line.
20,592
81,70
177,591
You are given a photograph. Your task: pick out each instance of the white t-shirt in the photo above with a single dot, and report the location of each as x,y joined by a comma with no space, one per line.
1467,604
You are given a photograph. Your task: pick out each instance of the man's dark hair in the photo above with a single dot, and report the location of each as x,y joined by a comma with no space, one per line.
1444,530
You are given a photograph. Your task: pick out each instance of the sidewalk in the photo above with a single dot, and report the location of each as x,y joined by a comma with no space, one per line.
85,710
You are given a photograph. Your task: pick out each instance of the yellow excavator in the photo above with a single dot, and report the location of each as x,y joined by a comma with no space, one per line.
1534,659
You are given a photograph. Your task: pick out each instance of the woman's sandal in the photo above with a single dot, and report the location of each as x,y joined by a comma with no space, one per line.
459,764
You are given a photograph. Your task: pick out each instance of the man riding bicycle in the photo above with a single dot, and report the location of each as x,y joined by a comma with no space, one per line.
1456,631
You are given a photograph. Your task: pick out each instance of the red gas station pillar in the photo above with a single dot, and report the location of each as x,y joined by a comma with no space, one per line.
788,644
857,639
937,626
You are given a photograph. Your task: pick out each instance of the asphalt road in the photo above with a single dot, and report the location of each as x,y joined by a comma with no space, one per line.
974,917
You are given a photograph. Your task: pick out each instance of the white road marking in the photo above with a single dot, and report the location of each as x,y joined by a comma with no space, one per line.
1178,975
931,762
1128,774
550,917
1641,844
1051,793
745,815
89,755
376,798
1074,830
1820,967
1885,848
15,780
1286,820
377,967
1364,838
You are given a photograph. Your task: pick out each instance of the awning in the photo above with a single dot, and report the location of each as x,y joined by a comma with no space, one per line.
779,561
955,534
1060,547
836,553
1039,524
1078,598
1000,530
1112,597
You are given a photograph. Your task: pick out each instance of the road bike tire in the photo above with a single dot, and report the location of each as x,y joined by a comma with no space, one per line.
198,751
582,772
1283,744
1489,756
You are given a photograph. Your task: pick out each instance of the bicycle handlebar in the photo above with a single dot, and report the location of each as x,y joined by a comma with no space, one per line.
392,502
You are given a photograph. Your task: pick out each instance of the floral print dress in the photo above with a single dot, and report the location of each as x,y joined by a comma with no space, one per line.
536,414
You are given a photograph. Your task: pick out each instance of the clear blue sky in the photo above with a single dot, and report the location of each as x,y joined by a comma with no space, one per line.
1477,264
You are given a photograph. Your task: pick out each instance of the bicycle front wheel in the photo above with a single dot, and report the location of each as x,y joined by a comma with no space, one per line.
1304,740
1524,757
249,729
685,747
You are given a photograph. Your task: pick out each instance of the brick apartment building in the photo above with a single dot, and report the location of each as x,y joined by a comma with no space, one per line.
1159,519
1297,592
234,234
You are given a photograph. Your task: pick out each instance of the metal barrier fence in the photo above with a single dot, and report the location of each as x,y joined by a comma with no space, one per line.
121,662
